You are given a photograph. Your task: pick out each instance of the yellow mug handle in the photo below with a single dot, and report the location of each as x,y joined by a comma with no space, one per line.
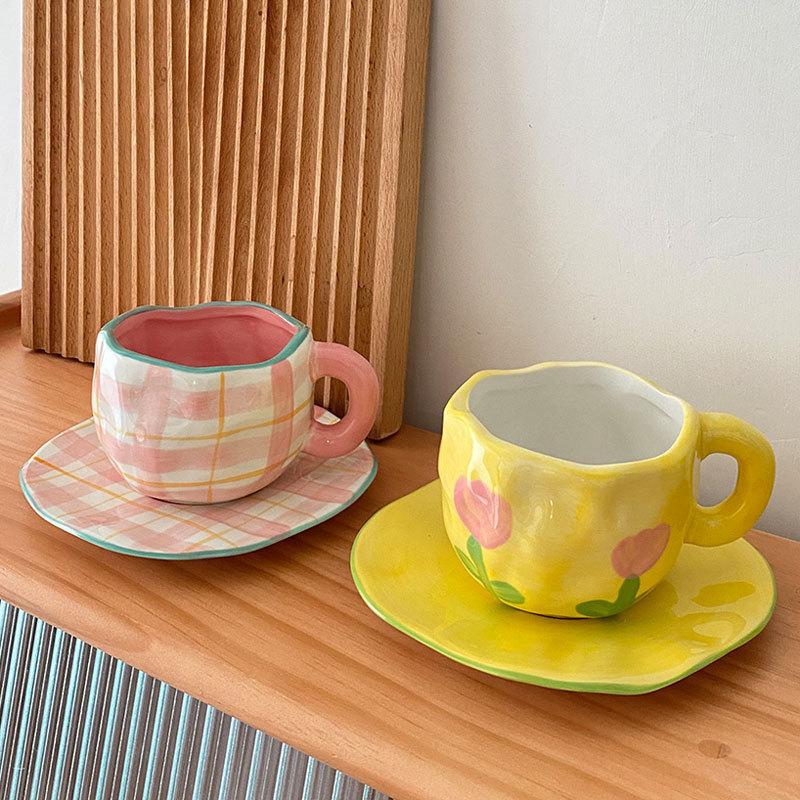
734,516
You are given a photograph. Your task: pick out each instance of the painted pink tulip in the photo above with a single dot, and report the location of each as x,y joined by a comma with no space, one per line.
487,515
634,555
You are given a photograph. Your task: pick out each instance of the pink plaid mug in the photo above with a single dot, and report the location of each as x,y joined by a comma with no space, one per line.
209,403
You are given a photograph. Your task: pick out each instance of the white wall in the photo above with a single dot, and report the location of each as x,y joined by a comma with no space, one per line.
10,144
618,181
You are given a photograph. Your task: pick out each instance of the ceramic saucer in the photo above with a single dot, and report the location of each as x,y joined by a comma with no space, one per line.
70,483
712,601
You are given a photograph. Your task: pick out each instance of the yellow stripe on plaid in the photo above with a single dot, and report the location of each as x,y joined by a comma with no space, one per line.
219,435
206,436
45,478
194,484
141,526
164,514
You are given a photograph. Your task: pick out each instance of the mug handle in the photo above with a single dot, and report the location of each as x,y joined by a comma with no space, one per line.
734,516
357,374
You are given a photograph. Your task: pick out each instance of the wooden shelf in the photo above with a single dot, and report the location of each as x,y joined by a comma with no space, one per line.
280,639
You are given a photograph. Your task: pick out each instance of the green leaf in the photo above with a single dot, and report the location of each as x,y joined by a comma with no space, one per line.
627,593
602,608
467,563
506,592
476,554
596,608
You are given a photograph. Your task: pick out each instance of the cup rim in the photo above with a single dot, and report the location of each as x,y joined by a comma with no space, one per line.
300,334
458,405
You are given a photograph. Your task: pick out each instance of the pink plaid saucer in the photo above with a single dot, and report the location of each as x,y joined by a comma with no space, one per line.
71,483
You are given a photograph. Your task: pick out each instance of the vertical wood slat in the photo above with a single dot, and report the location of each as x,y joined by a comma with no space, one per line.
227,173
290,130
99,223
243,287
56,154
348,252
67,184
140,148
87,183
306,231
333,105
181,143
107,161
269,162
213,103
125,117
178,151
239,269
161,223
198,38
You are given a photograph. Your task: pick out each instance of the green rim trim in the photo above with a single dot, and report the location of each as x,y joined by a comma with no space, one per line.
292,345
231,551
551,683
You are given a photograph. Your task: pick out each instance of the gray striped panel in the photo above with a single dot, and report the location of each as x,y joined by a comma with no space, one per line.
76,723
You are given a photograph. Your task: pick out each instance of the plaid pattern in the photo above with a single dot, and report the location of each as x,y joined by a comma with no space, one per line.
71,483
201,437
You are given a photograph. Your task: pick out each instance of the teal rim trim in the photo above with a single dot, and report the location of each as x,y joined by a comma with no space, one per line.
108,331
598,687
230,551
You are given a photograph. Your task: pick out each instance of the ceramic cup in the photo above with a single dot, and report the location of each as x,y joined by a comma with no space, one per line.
569,488
212,402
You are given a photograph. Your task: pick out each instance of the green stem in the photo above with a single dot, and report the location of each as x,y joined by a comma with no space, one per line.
476,554
627,593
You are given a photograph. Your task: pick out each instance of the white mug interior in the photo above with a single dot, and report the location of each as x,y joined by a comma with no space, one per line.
588,414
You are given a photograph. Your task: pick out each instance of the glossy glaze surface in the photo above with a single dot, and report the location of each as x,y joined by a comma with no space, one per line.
213,402
713,600
70,483
595,518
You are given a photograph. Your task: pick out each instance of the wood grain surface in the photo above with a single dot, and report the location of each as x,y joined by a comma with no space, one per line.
177,152
281,639
10,304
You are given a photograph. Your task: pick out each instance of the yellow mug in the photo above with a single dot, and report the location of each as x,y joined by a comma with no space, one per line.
569,488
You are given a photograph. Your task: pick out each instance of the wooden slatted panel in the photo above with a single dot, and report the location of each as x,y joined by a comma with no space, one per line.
178,151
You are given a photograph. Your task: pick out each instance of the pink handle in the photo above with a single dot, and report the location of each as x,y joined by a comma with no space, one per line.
357,374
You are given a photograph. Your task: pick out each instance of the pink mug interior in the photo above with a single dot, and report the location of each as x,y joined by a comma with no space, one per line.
206,336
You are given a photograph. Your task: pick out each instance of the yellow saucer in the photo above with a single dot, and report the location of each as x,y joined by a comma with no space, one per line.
714,600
